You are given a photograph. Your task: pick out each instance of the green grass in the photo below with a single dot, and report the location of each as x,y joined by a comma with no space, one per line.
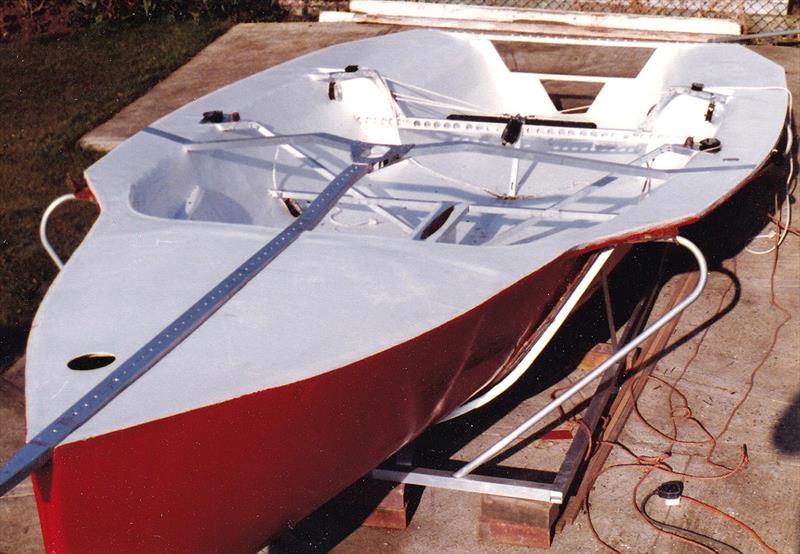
52,92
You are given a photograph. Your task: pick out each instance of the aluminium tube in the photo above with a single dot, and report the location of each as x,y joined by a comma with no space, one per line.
599,370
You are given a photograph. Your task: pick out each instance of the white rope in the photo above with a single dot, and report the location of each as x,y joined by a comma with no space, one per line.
433,93
455,181
433,103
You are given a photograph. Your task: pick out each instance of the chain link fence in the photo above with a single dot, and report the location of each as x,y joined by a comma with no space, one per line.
755,16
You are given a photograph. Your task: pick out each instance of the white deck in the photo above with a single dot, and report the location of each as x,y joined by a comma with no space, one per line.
176,217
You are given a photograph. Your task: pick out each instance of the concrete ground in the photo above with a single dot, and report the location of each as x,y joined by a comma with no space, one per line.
734,334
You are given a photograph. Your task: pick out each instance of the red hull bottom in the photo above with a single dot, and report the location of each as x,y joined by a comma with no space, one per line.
228,477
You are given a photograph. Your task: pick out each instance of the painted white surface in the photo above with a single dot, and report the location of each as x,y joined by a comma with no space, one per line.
583,19
174,223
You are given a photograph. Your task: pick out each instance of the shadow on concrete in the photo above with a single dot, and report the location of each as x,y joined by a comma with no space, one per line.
726,231
334,521
698,329
786,433
12,343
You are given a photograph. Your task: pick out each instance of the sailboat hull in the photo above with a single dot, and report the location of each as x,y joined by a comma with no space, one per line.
228,477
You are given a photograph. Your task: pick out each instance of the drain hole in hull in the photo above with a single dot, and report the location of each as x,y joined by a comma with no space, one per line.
436,224
91,360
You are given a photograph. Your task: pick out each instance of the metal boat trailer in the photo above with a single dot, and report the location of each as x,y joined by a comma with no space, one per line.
547,495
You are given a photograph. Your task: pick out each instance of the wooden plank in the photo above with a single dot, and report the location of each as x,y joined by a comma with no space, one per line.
621,21
516,521
598,354
529,28
392,512
623,404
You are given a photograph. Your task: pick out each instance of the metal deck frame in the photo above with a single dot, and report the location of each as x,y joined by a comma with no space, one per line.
554,492
365,158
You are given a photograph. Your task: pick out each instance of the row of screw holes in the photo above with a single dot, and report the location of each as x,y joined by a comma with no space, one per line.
219,291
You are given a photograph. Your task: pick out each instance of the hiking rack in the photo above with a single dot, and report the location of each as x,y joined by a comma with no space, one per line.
402,470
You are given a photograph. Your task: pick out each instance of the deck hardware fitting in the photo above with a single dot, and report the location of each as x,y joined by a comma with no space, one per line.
512,130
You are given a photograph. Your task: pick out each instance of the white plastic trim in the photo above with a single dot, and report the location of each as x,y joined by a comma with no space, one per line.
523,365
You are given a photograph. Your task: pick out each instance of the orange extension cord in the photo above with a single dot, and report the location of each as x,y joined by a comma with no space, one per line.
682,412
729,517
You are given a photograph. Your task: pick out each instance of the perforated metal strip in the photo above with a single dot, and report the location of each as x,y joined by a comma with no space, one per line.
36,452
